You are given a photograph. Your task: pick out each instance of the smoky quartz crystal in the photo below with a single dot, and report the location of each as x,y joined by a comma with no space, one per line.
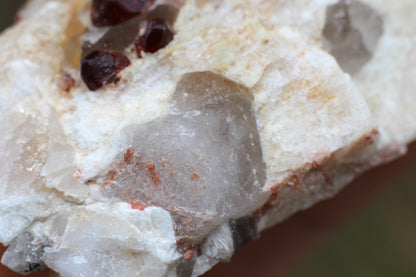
352,30
202,162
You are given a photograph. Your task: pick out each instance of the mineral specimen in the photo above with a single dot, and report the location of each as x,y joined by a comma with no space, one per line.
353,29
101,67
103,60
158,33
207,166
248,115
113,12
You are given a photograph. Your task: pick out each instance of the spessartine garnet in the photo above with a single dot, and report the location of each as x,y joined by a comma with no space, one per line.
101,67
104,59
114,12
157,35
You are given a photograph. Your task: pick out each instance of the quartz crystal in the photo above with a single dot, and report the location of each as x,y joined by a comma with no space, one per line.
202,161
25,254
193,147
352,30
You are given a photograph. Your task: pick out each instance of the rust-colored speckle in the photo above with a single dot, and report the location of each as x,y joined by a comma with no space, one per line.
267,206
113,174
195,176
164,164
369,139
273,196
328,179
188,252
153,174
78,173
106,183
296,180
128,156
136,205
66,82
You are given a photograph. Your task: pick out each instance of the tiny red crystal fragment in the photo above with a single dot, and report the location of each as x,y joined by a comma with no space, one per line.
157,35
101,67
195,176
128,156
114,12
153,174
189,252
136,205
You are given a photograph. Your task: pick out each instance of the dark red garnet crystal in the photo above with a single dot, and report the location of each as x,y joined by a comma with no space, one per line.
149,32
101,67
157,34
114,12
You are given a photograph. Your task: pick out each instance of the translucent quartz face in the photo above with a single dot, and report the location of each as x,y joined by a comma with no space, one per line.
24,254
202,161
352,30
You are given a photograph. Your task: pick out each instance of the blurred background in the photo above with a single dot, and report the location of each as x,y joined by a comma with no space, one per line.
367,230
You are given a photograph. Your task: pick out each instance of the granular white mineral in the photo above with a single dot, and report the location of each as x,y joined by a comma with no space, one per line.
209,121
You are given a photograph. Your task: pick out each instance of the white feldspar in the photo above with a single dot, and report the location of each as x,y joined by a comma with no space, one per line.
168,172
109,236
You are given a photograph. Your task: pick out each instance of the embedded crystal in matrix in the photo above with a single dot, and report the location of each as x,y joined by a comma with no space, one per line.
352,30
202,161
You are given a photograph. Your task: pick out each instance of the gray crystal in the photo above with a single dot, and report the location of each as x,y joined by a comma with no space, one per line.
202,161
25,254
352,30
185,268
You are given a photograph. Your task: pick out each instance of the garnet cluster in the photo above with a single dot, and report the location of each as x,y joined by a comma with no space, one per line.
132,22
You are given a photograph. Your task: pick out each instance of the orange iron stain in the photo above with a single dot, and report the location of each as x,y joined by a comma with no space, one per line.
136,205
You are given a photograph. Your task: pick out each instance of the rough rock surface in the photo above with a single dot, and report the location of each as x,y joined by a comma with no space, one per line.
255,110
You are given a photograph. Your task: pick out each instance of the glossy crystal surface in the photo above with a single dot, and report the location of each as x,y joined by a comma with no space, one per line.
113,12
352,30
158,33
99,68
202,161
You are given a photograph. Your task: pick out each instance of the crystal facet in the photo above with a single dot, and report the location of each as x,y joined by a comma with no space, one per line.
202,162
104,59
352,30
101,67
158,33
242,121
25,254
113,12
